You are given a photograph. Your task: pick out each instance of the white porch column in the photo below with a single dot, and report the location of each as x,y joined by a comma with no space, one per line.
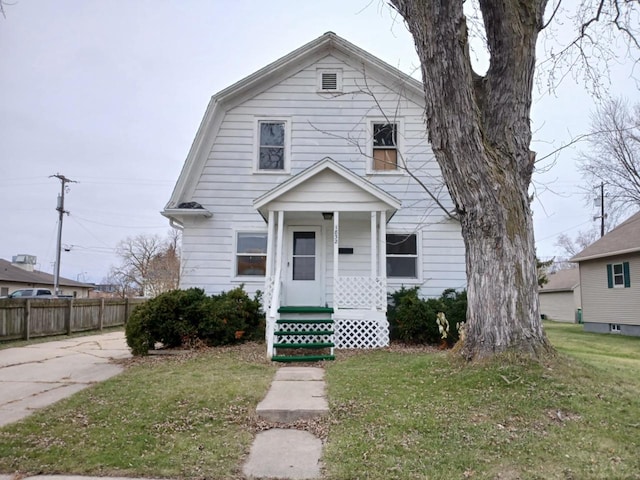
279,244
271,231
374,250
383,245
336,243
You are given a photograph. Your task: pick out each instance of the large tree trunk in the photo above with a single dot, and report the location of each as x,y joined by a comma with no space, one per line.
480,134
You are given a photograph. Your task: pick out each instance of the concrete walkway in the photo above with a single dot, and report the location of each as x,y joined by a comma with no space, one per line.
295,393
38,375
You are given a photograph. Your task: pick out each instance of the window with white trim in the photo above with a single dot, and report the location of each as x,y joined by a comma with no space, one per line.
251,254
614,328
272,142
385,146
402,255
618,275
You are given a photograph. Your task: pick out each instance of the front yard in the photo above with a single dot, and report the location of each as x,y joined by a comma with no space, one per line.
399,413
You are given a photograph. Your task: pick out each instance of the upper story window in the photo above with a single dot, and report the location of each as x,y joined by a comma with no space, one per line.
271,154
618,275
385,146
272,145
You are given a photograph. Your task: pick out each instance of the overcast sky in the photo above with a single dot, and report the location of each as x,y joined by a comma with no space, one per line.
111,93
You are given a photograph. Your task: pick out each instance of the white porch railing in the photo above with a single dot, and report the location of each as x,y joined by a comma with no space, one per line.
366,293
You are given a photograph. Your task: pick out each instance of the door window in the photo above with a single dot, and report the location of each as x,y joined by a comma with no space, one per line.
304,255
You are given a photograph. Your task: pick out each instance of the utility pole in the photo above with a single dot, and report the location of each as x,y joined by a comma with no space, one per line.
602,215
601,209
61,211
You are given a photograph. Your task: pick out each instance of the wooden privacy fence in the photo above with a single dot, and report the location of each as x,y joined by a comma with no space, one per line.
26,318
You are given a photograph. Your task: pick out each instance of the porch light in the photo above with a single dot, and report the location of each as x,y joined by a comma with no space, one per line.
327,215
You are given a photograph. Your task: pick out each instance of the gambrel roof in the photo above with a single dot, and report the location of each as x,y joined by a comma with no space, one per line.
272,74
625,238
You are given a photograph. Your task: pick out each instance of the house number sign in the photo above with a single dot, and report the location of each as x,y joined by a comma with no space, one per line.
336,234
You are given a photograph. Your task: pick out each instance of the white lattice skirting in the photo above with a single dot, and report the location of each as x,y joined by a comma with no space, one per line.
361,333
302,338
361,292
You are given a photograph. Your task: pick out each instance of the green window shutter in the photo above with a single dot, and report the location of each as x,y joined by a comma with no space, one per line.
609,275
627,277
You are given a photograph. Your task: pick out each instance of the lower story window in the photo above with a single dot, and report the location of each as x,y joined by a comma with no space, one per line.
614,328
402,255
251,254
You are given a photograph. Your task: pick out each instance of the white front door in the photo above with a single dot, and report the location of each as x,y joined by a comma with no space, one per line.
304,286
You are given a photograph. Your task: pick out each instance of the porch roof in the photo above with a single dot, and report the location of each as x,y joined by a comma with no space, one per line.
327,186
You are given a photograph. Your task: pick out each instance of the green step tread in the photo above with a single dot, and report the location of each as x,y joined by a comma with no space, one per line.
309,309
309,358
303,321
305,345
282,333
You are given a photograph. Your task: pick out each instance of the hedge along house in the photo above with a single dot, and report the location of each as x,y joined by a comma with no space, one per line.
306,180
610,280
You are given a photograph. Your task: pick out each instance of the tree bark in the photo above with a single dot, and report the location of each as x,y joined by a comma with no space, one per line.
480,134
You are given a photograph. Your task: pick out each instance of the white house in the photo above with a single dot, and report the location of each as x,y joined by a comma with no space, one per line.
610,280
313,181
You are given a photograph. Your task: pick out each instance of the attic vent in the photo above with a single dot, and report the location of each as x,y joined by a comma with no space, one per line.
330,80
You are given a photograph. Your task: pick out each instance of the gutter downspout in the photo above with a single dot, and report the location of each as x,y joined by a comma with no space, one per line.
175,224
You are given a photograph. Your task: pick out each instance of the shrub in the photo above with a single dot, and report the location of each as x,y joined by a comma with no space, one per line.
413,320
179,317
231,317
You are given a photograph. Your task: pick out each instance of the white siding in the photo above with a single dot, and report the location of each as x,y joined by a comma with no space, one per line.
321,125
558,306
601,304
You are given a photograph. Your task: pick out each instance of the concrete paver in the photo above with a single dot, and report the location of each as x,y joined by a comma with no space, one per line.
295,393
283,453
38,375
300,373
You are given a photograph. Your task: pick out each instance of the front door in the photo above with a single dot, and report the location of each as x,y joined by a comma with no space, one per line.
304,274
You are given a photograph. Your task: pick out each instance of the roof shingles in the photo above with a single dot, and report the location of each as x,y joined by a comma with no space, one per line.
625,238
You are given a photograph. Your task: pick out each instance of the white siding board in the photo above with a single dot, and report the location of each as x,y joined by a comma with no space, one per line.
558,306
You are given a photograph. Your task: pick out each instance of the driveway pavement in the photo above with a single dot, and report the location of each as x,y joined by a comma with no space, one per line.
38,375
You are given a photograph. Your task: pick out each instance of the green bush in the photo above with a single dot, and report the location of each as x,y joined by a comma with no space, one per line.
180,317
231,317
413,320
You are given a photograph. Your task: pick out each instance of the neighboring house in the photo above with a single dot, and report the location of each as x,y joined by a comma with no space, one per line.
560,296
296,186
20,274
610,280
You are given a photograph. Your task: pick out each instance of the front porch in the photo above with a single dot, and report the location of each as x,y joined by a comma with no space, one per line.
326,253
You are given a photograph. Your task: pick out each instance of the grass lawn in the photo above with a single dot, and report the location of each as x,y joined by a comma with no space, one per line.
169,416
397,413
419,415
